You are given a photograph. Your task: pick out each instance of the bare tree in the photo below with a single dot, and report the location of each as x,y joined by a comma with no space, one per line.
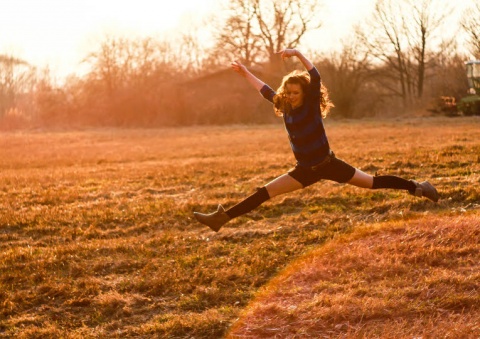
106,63
347,72
130,79
471,25
51,101
382,37
193,53
448,77
16,78
421,26
257,29
401,34
283,23
239,37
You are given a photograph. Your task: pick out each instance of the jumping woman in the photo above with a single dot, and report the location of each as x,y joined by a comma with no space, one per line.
303,101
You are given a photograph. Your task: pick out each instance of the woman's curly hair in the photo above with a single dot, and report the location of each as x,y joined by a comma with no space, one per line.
302,78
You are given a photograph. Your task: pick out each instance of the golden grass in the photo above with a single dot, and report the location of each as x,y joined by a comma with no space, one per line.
400,279
97,237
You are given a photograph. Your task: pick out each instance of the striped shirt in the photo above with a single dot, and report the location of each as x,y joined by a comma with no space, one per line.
304,124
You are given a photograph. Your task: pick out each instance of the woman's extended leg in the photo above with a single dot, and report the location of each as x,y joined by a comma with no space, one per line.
424,189
283,184
361,179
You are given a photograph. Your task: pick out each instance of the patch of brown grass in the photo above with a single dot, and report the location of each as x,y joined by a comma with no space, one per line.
388,280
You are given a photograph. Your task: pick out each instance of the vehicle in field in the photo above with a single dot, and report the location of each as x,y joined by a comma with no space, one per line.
470,105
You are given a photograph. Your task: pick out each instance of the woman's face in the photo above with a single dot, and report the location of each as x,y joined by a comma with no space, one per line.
294,94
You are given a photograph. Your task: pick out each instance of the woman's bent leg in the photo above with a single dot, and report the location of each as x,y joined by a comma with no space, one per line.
282,184
249,203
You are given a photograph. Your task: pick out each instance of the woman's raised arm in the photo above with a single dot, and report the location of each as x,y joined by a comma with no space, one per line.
238,67
287,53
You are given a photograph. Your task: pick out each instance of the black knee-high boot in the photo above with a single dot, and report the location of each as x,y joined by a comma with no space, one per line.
391,181
250,203
220,217
419,189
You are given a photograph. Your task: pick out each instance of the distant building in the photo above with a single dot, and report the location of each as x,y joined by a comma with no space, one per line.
224,97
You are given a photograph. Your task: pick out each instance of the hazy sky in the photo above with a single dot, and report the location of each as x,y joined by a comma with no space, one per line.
61,32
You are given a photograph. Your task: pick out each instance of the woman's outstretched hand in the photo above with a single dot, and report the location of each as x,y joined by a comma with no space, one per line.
290,52
287,53
238,67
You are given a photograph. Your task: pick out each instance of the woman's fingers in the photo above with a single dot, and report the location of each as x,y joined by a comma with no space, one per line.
239,64
238,67
286,53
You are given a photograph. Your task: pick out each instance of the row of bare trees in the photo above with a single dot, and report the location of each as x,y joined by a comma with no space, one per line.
396,53
397,60
406,43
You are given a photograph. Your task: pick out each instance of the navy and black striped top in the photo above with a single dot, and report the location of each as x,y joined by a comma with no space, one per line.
304,124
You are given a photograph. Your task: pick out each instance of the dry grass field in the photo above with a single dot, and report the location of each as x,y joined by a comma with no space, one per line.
97,238
416,279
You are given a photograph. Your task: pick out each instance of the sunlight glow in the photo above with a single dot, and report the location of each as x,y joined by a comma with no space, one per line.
60,33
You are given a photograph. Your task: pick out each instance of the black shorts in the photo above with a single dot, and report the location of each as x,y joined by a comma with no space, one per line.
335,170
